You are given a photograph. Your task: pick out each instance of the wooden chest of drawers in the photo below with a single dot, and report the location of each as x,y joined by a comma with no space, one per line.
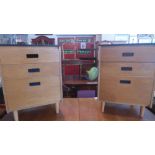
31,76
126,74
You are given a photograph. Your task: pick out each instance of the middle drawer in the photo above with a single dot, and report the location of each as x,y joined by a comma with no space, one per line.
128,69
30,70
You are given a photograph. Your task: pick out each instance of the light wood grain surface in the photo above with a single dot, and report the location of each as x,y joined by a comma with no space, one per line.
18,55
127,75
137,92
141,54
22,71
24,89
128,69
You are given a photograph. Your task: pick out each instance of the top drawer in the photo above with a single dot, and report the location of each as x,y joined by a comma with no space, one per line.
24,55
129,53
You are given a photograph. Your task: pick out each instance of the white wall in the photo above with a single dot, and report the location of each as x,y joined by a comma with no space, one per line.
108,37
132,39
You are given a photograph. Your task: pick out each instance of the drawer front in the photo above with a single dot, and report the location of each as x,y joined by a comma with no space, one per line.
30,70
128,69
22,55
26,93
126,90
128,53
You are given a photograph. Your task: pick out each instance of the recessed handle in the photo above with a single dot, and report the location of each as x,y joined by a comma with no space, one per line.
34,70
128,54
126,68
29,56
125,81
32,84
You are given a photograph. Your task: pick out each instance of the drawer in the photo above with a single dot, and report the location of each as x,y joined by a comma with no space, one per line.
128,69
24,55
128,53
126,90
16,71
26,93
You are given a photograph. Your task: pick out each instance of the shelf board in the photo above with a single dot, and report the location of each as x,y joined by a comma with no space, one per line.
87,58
76,62
86,49
69,50
80,82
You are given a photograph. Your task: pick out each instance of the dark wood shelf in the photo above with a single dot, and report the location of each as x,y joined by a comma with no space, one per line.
79,82
88,58
76,62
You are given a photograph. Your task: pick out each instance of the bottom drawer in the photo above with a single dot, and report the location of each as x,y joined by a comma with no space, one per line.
129,90
26,93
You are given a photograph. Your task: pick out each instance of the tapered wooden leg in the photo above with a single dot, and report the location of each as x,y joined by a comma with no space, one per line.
57,107
15,114
151,104
103,106
152,101
142,109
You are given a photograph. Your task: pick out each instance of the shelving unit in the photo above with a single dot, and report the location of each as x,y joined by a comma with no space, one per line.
78,56
80,64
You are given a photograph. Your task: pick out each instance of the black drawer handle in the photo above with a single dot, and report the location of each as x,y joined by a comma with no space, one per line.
32,56
126,68
125,81
128,54
33,70
34,84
